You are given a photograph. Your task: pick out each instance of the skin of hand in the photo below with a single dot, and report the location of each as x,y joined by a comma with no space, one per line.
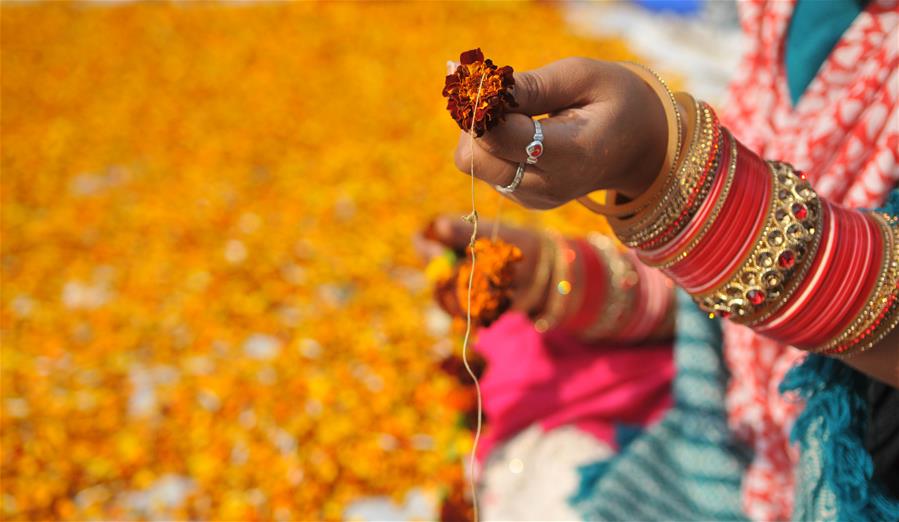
606,129
881,361
453,233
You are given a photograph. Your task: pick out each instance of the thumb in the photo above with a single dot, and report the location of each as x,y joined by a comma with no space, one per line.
556,86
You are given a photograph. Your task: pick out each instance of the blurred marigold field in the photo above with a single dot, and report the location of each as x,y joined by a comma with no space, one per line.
211,307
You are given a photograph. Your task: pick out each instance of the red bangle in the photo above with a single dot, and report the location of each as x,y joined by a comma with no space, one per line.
859,296
831,289
759,170
852,283
742,217
668,251
707,170
594,292
708,251
879,316
650,309
821,265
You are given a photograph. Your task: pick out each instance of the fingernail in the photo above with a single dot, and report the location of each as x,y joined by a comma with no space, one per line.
450,67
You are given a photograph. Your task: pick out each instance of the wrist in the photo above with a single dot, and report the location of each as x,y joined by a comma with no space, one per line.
648,161
635,158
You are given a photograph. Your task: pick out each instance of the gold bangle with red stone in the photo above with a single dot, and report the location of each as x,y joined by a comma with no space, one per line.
794,185
787,240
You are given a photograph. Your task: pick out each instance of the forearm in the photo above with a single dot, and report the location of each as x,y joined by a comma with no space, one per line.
753,243
880,362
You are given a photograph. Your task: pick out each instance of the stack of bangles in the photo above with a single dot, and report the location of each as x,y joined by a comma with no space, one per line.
752,242
588,288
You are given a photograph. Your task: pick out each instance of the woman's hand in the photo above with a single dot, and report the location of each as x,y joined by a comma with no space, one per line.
606,130
453,233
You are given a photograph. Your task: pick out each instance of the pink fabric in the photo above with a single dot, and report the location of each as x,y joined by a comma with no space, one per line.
844,133
557,380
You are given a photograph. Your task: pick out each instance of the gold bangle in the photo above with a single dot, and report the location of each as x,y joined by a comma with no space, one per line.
559,289
686,192
577,276
713,216
890,324
622,281
628,227
673,117
542,273
816,230
792,222
696,177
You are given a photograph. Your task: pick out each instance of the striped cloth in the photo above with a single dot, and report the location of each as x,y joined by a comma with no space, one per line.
689,465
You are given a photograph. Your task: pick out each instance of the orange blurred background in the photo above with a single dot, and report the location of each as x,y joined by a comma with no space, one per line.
211,307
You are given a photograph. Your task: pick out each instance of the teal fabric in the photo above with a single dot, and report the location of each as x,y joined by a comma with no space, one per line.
834,473
688,466
815,29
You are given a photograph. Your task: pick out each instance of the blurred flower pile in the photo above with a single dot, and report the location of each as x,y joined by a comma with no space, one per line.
210,304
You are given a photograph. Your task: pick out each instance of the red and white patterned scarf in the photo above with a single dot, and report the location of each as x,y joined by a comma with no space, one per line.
844,133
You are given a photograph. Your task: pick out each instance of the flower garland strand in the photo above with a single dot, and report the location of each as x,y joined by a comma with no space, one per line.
473,219
477,106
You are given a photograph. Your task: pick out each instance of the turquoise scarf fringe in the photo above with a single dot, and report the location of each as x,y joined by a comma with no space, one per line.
834,473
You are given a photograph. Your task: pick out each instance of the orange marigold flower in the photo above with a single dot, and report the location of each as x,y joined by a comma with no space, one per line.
461,91
491,288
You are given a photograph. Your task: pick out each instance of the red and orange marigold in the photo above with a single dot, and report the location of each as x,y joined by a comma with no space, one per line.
461,90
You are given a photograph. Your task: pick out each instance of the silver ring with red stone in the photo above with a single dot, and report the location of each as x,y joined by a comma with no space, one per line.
519,175
535,148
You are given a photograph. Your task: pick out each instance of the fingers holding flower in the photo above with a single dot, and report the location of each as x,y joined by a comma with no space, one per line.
606,129
511,261
477,92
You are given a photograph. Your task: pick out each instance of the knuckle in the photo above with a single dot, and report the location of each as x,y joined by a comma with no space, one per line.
582,62
539,86
581,71
490,144
532,84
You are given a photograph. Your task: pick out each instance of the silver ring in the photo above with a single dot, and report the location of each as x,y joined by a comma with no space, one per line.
535,148
519,175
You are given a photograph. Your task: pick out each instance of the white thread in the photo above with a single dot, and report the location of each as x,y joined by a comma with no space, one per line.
473,219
